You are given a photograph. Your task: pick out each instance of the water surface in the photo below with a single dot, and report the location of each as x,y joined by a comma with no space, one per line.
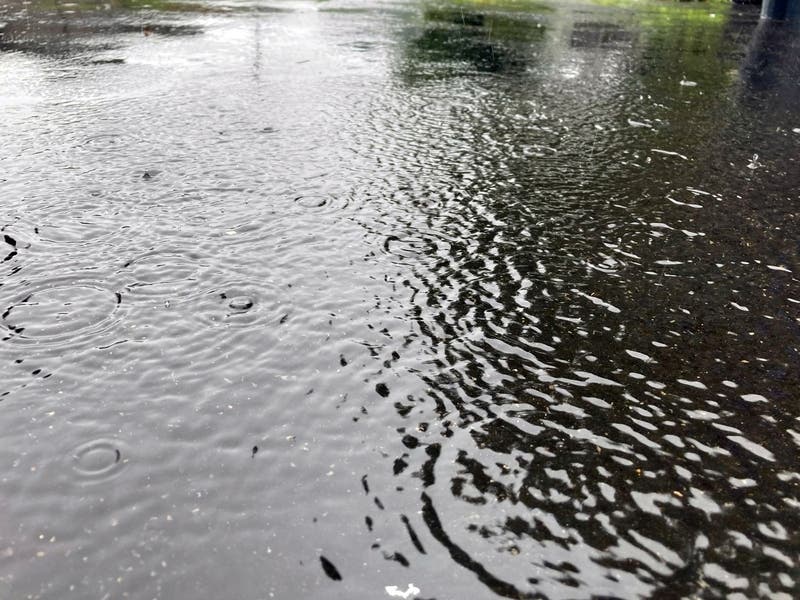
306,299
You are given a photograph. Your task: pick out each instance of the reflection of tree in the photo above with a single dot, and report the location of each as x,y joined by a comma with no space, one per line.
535,267
53,29
450,39
600,35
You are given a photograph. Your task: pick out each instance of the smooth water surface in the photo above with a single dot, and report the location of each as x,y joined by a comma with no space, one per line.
306,299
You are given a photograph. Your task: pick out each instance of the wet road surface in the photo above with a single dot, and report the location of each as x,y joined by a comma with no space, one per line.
304,300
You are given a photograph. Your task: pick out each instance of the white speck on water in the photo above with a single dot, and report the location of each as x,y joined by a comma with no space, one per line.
778,555
697,192
717,573
695,384
592,378
795,436
598,301
729,384
679,203
754,398
640,355
796,130
669,153
702,501
722,427
668,263
753,164
596,401
674,440
575,320
628,254
410,592
647,502
741,483
752,447
740,307
778,268
773,530
633,123
741,539
687,83
609,493
701,415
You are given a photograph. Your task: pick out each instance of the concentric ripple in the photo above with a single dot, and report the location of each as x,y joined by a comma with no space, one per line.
56,313
241,305
163,275
83,223
104,142
320,203
98,460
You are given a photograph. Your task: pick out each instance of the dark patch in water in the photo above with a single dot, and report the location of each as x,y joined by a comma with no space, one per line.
330,570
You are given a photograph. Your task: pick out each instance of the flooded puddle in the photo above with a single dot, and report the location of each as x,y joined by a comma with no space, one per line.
398,299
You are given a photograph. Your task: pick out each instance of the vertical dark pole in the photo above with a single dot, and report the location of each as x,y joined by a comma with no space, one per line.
780,9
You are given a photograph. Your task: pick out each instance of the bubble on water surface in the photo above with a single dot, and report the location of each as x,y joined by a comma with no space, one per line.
321,203
241,303
98,460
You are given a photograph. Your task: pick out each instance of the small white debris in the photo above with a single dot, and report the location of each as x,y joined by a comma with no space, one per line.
740,307
410,592
778,268
687,83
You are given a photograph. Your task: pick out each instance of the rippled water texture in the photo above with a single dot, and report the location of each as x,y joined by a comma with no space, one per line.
304,300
